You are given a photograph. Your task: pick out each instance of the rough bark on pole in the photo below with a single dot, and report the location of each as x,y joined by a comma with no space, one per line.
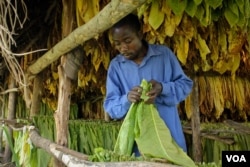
62,113
71,158
64,96
196,136
11,115
37,96
64,88
109,15
65,84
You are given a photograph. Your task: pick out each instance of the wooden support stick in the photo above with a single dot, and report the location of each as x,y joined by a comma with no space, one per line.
73,158
195,121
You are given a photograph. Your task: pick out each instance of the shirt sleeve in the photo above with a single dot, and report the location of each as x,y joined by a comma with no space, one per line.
116,103
178,88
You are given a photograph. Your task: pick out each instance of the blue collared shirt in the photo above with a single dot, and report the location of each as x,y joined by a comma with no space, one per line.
159,64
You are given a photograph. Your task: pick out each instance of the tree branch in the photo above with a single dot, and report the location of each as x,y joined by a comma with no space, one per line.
109,15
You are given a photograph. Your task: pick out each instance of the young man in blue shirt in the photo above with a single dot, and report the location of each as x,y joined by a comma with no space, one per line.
140,60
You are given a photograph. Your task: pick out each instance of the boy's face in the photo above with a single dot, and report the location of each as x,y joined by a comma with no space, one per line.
127,41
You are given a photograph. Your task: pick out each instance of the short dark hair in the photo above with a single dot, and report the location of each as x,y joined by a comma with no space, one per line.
131,20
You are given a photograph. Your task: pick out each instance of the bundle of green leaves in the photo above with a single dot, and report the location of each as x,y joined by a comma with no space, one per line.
144,126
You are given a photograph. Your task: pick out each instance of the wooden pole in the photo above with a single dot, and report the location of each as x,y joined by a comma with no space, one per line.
37,96
10,116
195,121
64,89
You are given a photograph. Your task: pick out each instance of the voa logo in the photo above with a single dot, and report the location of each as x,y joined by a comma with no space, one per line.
236,158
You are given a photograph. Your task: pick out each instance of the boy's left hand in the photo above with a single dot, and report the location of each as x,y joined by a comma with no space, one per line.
154,92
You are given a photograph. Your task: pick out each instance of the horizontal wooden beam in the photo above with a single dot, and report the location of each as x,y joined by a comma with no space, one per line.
73,158
109,15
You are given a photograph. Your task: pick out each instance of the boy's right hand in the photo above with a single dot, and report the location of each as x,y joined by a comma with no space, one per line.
134,95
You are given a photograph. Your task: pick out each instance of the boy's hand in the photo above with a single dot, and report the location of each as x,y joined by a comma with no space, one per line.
134,95
154,92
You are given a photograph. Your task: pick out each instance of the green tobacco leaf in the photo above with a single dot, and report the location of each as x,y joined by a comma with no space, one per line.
232,13
145,88
125,140
200,15
178,6
152,135
241,4
191,8
231,17
154,139
198,2
11,145
216,14
242,21
126,137
232,5
214,3
247,9
156,16
144,125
